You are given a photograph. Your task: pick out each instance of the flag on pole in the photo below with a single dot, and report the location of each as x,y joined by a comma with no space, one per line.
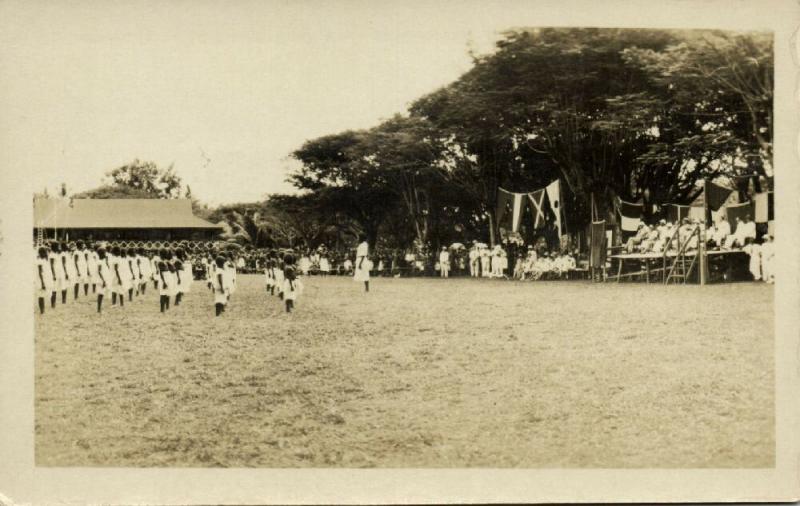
537,207
554,196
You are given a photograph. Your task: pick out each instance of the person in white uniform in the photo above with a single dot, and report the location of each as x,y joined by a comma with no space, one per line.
768,259
292,285
144,269
165,279
362,266
120,273
45,279
218,285
92,264
444,262
104,277
54,257
81,272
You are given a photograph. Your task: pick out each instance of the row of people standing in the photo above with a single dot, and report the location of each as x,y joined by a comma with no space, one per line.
114,273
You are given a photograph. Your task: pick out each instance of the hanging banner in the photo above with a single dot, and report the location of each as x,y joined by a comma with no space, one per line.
504,199
554,195
597,258
631,215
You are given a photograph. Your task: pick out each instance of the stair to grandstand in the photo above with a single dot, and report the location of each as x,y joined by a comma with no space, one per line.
684,261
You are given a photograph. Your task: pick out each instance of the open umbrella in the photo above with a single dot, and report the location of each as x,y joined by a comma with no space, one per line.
456,245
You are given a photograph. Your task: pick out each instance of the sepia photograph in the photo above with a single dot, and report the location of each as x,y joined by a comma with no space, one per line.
259,237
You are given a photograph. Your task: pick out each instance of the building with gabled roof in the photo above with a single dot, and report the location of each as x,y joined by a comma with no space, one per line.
121,219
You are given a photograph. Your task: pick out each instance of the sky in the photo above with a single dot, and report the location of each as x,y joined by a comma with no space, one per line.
224,91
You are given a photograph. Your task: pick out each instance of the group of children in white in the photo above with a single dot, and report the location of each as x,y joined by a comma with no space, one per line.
117,273
114,273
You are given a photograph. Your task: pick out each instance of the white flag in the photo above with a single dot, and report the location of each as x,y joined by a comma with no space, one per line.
554,195
516,216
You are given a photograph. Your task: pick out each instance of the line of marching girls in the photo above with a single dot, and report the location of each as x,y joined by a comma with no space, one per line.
114,273
282,277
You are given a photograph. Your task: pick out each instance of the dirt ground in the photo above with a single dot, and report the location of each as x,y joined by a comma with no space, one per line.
417,373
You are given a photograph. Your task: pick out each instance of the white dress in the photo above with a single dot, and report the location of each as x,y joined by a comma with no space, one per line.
144,269
72,272
187,277
362,265
47,277
92,264
292,289
165,279
104,270
58,270
83,266
121,274
220,296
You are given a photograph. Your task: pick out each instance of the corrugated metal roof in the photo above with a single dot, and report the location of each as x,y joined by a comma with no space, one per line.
116,213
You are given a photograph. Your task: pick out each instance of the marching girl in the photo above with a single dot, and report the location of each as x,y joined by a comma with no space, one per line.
176,268
279,274
362,262
45,279
187,273
130,260
71,277
143,262
165,278
218,284
292,286
54,256
92,263
121,275
208,265
229,276
154,261
103,277
78,260
63,262
269,275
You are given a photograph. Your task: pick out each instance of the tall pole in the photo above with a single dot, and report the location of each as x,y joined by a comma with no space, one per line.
701,250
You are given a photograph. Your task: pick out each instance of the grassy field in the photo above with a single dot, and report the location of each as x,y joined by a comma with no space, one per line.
417,373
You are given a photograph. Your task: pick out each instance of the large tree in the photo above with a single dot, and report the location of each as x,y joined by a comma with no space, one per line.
334,167
138,180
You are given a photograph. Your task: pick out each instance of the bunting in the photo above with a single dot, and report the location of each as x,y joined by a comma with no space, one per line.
537,207
715,195
518,203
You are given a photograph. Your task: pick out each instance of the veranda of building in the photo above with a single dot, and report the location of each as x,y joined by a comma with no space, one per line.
120,219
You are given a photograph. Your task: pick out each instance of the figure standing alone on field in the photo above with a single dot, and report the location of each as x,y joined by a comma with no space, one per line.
362,262
291,285
444,262
218,285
